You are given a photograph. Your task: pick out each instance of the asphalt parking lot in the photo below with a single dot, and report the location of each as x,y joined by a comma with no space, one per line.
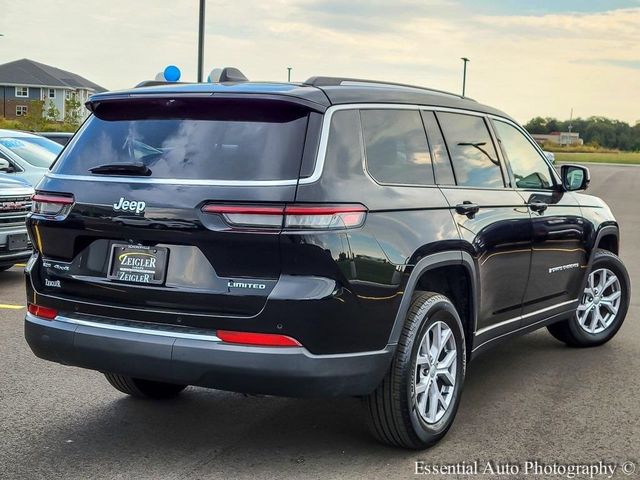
529,399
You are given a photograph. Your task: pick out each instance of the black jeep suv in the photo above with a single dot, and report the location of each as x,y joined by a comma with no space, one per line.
334,237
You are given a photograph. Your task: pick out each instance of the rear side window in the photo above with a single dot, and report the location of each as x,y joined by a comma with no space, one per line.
396,147
475,161
192,139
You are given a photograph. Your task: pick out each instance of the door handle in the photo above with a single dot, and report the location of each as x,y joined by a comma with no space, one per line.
467,208
538,206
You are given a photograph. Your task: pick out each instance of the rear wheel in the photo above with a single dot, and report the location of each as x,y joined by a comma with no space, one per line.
140,388
416,402
603,305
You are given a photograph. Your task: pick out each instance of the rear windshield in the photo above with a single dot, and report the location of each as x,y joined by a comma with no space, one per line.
192,139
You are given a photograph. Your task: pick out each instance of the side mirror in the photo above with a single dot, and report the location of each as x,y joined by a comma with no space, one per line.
575,177
5,166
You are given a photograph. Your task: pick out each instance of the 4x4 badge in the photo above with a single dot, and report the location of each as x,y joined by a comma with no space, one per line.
129,206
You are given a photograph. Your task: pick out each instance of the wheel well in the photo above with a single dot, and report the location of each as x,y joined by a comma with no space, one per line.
610,243
454,282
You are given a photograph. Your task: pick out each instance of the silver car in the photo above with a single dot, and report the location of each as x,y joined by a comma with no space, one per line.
26,156
15,204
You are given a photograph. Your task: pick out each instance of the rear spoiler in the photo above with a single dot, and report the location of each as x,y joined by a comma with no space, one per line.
94,104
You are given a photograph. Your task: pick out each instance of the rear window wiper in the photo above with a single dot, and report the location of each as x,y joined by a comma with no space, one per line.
122,169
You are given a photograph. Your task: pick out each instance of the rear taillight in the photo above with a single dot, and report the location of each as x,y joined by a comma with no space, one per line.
291,217
52,206
258,339
324,217
42,312
249,215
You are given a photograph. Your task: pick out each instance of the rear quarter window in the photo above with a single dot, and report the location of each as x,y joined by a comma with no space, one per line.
396,147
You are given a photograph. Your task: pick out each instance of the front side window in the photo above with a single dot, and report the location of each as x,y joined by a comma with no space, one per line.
22,92
21,110
396,147
474,157
528,167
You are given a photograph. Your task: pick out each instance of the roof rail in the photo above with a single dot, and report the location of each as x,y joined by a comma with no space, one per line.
337,81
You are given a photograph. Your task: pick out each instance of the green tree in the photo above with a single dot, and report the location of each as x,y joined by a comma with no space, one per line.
52,114
34,119
72,113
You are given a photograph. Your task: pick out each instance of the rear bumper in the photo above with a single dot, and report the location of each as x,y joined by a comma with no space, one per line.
201,359
11,258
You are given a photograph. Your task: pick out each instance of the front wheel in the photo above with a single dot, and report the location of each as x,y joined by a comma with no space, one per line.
603,305
416,402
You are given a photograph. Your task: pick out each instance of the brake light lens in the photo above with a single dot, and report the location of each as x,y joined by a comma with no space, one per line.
42,312
249,215
293,217
258,339
324,217
51,205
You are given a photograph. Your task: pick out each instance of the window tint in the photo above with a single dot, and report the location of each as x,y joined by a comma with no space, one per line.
396,147
475,161
441,162
528,167
186,140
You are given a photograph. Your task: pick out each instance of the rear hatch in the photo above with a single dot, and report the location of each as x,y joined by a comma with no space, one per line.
129,215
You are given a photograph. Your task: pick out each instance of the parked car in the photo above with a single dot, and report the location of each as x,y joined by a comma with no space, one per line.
336,237
59,137
15,204
26,156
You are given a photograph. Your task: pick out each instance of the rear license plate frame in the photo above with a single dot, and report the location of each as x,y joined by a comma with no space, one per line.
127,272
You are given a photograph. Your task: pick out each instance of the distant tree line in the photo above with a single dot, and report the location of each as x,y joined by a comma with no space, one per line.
595,131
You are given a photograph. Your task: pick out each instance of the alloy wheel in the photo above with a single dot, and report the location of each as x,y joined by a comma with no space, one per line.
600,301
435,373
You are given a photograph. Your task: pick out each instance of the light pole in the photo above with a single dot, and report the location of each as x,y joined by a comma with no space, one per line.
289,74
201,40
464,74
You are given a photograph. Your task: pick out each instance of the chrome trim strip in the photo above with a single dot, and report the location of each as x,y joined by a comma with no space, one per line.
326,124
146,331
522,317
317,172
174,181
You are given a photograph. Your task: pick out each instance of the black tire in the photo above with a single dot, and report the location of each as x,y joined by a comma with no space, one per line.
570,332
140,388
390,409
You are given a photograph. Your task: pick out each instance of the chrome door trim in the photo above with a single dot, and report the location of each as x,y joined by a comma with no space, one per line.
522,317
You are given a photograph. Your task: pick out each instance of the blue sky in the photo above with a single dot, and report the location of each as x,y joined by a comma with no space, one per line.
528,58
541,7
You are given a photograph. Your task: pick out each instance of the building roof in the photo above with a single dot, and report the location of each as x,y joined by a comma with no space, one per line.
319,97
30,73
